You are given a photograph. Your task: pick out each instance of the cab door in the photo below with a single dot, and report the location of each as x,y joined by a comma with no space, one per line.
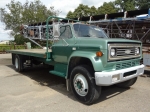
63,48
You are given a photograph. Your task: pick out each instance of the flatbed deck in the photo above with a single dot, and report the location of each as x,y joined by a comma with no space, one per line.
41,53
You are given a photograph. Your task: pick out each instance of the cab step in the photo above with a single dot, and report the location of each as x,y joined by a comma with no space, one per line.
57,73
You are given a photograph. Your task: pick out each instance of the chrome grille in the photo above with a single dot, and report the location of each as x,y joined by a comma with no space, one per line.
127,64
123,51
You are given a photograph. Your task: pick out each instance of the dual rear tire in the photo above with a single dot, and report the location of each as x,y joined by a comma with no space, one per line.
18,62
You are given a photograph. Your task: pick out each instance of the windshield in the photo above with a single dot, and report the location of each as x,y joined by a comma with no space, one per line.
83,30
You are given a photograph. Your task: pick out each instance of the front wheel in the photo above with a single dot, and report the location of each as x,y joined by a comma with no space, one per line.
83,85
127,83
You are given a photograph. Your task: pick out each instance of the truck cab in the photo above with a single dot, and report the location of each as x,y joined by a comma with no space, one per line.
94,60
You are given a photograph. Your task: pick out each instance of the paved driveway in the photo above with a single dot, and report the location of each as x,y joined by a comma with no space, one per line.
35,90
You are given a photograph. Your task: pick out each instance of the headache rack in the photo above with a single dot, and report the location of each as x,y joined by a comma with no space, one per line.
45,31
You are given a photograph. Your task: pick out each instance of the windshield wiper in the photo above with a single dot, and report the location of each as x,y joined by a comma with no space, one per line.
88,35
100,37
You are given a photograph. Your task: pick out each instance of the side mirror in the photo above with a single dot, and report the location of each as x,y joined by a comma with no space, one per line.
56,29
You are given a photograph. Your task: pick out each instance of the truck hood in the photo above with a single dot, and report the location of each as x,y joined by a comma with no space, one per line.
101,42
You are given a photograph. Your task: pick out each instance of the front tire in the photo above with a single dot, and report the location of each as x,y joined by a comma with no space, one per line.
83,85
127,83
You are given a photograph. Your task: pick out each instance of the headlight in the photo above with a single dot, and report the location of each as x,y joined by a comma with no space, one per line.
137,51
112,52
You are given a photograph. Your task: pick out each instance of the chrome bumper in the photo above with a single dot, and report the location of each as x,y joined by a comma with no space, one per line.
113,77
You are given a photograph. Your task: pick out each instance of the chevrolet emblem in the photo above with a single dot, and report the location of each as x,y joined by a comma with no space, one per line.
128,51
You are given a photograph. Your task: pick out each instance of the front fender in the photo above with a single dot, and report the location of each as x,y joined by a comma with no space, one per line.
96,61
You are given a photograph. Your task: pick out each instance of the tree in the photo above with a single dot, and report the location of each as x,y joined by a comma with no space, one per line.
12,19
36,12
19,14
70,15
84,10
20,40
30,12
125,5
107,8
1,14
143,4
93,11
80,11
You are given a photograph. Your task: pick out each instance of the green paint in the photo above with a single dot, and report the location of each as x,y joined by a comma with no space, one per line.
59,69
65,49
79,85
57,73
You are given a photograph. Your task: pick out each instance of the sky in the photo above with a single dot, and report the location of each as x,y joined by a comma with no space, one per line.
4,34
62,5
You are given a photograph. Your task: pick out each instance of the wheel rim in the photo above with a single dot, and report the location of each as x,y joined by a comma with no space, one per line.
16,63
80,84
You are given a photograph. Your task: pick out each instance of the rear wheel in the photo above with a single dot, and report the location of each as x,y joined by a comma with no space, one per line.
83,85
127,83
13,58
18,63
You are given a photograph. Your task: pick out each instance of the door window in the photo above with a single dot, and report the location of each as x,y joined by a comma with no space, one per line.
65,32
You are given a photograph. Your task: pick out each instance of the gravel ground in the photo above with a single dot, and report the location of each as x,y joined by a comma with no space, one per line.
35,90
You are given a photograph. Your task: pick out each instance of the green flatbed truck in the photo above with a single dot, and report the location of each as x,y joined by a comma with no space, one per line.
85,56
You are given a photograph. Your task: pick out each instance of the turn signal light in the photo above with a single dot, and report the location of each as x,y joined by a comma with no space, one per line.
99,54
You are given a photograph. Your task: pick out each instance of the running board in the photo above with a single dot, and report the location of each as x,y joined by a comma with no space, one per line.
57,73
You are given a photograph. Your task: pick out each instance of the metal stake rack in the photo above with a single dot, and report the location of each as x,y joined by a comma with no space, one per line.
133,25
43,31
47,31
